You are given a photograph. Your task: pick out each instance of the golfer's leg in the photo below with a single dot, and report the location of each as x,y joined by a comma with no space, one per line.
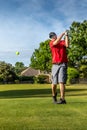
62,91
54,89
54,79
62,79
54,93
54,82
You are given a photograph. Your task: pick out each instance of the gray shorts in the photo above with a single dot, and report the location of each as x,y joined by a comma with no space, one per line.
59,73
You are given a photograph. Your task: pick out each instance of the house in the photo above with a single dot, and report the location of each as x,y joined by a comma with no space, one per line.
33,72
30,72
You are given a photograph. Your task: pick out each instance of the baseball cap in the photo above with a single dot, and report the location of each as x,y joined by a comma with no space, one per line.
52,34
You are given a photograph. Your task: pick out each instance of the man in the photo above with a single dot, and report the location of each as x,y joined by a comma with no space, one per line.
59,64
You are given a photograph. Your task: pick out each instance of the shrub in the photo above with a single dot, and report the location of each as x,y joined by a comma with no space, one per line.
83,71
42,79
17,81
25,79
1,80
73,75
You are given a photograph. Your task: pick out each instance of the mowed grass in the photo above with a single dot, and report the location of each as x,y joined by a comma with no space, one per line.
30,107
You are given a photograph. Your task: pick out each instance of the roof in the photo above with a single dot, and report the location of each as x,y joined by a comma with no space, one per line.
30,72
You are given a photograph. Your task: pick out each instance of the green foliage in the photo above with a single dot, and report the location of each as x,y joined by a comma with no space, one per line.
73,75
42,79
83,71
41,58
7,73
78,43
29,79
19,67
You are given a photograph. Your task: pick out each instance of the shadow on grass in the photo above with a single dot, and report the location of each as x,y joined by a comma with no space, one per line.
39,93
76,92
25,93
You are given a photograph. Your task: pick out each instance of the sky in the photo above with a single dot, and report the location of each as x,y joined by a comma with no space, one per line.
24,24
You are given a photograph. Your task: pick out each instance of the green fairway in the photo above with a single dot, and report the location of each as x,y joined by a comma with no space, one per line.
30,107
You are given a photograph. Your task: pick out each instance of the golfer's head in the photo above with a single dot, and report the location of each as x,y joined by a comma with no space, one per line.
52,35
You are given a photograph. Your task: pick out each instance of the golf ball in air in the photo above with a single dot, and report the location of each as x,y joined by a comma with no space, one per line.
17,52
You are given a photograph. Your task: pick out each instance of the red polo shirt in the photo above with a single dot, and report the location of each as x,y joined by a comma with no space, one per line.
58,52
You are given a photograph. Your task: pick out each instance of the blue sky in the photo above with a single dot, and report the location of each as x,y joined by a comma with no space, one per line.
26,23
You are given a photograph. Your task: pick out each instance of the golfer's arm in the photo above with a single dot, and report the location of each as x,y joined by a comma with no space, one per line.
58,39
66,41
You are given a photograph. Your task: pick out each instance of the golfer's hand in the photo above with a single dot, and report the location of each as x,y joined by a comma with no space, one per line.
66,33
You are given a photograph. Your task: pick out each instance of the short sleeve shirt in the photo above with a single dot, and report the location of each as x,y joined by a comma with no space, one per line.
58,52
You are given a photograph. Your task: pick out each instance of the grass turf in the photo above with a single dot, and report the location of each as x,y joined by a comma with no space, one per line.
30,107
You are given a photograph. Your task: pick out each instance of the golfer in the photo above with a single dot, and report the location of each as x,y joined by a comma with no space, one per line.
59,64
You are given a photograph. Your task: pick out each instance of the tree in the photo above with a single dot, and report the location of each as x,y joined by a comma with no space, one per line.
19,67
7,73
78,43
41,57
